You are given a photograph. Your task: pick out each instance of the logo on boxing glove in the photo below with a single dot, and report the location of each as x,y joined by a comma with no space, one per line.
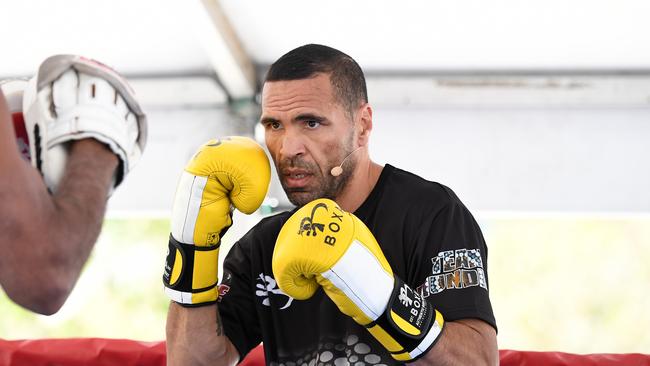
310,226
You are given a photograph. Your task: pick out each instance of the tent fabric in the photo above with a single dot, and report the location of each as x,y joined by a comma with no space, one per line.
124,352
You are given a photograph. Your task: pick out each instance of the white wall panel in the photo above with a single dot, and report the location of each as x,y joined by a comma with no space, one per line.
501,146
525,159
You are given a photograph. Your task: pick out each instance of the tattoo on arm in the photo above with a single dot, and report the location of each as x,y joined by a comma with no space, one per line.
219,325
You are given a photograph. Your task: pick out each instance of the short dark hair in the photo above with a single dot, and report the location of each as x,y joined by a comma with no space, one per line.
306,61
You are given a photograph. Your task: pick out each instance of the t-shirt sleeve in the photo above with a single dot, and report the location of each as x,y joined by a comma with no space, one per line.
448,265
235,303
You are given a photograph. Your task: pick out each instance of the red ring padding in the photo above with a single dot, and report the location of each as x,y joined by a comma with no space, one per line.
123,352
81,351
530,358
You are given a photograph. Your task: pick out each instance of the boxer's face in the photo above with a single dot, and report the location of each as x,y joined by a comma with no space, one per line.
308,132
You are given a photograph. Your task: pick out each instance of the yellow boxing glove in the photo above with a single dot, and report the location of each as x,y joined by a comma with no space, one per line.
321,245
233,170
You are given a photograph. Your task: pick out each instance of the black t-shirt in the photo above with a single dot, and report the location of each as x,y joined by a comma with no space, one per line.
428,236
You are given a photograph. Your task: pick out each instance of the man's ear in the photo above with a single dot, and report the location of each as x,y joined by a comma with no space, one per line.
364,124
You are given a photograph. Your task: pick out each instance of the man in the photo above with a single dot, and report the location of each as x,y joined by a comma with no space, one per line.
85,133
317,124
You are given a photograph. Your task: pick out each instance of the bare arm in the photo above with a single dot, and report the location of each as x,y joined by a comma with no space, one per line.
464,342
46,239
195,337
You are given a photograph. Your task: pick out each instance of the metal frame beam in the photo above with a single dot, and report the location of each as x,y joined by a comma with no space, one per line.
233,66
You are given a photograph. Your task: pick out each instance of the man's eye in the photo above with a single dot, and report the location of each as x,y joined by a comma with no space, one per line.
313,124
274,125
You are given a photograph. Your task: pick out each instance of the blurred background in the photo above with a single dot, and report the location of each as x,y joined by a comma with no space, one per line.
537,114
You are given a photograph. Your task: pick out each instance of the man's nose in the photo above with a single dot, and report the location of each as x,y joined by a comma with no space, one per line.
292,144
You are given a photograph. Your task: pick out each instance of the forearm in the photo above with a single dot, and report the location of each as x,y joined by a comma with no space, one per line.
79,207
463,342
50,237
195,337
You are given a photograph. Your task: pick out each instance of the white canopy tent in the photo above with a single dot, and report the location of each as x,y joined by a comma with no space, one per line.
522,107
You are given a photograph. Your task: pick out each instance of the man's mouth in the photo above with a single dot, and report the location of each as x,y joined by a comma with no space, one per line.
296,179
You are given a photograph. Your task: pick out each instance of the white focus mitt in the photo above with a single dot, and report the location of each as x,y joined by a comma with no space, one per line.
73,98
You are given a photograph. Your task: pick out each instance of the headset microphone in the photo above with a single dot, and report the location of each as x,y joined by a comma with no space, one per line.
338,170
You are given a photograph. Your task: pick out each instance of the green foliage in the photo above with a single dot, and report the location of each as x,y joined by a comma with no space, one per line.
573,285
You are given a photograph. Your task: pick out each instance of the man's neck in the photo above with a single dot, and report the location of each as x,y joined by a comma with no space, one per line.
360,185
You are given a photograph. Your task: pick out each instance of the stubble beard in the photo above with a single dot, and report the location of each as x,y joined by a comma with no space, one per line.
327,185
